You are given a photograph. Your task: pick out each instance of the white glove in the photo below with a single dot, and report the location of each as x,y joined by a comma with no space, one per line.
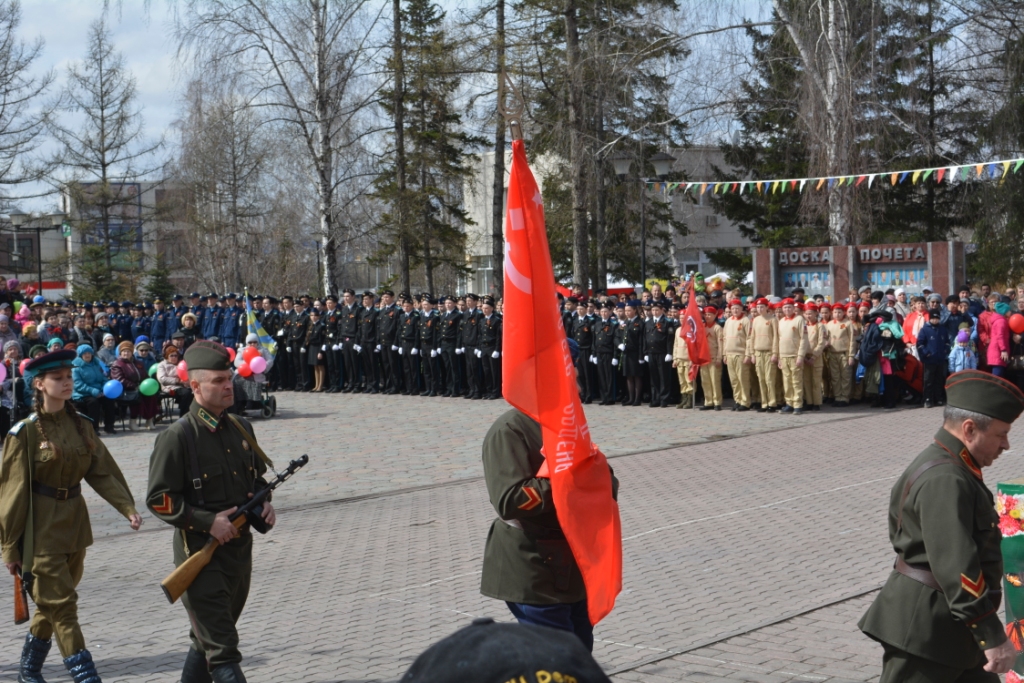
400,350
289,349
415,351
646,358
622,347
495,354
358,348
433,353
668,357
479,354
458,352
302,350
377,349
593,359
615,361
394,348
280,333
324,348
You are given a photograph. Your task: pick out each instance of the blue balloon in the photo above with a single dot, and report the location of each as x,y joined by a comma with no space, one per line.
113,389
38,299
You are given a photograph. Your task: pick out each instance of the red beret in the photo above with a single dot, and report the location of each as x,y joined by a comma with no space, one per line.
786,302
810,306
735,302
760,301
824,304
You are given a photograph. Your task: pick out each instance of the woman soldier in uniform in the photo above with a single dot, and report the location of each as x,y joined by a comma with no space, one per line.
50,453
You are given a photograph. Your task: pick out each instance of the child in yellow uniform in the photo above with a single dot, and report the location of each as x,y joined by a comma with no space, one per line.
814,361
711,373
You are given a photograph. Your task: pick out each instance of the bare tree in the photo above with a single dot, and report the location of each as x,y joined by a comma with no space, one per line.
304,61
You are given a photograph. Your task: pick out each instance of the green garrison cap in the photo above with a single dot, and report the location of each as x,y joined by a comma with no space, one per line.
50,361
207,355
983,393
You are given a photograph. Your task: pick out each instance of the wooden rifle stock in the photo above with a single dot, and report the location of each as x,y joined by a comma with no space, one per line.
20,601
178,581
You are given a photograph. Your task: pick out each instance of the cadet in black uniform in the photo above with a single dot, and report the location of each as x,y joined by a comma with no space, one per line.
451,323
490,350
332,321
284,344
632,349
583,333
430,345
297,347
658,339
270,318
317,349
387,343
604,350
348,329
469,342
408,347
367,344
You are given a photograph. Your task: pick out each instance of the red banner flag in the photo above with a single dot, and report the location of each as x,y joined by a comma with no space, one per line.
538,378
692,329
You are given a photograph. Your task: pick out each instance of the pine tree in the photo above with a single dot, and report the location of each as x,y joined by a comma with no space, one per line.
159,285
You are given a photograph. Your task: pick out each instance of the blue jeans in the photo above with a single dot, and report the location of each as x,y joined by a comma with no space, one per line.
998,370
570,617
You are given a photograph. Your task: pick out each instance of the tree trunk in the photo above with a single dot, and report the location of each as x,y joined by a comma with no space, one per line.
498,199
580,246
324,150
601,282
400,163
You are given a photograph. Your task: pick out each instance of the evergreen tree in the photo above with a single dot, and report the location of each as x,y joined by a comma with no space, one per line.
158,284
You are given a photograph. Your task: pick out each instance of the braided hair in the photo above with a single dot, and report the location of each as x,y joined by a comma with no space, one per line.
80,426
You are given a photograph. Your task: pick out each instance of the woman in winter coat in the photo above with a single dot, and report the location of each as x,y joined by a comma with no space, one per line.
89,378
997,353
129,373
170,383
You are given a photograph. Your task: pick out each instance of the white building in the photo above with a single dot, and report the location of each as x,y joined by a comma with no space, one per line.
707,230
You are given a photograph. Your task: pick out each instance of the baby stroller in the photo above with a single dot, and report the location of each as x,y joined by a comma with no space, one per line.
253,392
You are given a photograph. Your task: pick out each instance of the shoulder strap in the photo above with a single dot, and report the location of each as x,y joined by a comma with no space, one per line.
237,424
28,539
193,458
913,480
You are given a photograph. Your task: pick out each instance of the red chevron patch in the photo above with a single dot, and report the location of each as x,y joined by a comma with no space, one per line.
534,498
165,507
975,588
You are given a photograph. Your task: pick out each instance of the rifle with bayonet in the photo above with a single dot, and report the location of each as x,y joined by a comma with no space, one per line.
178,581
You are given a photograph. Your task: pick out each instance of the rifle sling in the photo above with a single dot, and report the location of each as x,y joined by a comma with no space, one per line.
193,459
251,439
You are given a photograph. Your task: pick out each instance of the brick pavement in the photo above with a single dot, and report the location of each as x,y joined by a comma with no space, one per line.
720,538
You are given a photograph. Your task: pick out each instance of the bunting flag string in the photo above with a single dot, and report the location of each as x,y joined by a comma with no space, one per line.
992,170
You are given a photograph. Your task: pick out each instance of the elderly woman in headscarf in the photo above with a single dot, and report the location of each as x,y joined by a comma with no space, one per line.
6,333
108,351
89,377
129,373
170,383
997,353
10,392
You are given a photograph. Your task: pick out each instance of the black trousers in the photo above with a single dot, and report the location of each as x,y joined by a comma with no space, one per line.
473,372
606,375
429,367
333,359
284,366
491,370
351,362
370,359
300,366
452,369
661,378
934,383
391,378
583,373
101,410
411,367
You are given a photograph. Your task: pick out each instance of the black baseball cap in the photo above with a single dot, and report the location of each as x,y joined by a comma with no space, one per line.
486,652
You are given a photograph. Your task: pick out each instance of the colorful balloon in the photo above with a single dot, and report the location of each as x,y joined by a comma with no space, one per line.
257,364
250,353
113,389
183,371
3,372
1017,323
22,364
231,354
244,370
152,370
149,387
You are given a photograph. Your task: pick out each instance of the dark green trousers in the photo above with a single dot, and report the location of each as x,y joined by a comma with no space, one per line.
902,667
215,600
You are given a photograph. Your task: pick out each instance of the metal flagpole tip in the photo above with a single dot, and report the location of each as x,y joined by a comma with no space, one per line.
514,111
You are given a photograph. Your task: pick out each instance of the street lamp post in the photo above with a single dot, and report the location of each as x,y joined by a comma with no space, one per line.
56,221
662,163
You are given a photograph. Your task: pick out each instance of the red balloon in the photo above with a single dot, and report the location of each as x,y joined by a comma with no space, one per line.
250,353
23,364
244,370
182,371
1017,323
231,354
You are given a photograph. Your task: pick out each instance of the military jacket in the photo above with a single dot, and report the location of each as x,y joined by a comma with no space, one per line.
140,326
62,460
949,525
470,332
451,323
658,333
230,326
211,322
583,331
604,339
124,327
271,321
368,326
348,325
387,326
332,320
490,333
430,331
158,328
410,328
229,470
633,336
298,328
174,320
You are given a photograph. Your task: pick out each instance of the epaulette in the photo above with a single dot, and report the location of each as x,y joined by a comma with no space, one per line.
21,423
86,417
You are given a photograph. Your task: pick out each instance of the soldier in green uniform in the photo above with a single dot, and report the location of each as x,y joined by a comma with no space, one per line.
44,523
202,468
938,614
527,560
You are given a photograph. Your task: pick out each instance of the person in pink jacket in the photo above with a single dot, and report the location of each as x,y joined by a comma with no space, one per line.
998,351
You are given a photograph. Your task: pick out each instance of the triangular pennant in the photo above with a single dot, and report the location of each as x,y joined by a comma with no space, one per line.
714,190
821,181
860,179
802,183
903,176
915,177
965,172
743,187
760,186
734,187
940,175
792,184
980,168
831,183
1016,167
1006,168
927,174
703,188
894,177
871,180
992,170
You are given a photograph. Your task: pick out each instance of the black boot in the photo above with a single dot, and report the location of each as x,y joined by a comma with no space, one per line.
228,673
81,667
32,657
195,669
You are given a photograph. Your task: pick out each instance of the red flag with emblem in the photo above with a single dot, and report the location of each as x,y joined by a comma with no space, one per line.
692,329
539,379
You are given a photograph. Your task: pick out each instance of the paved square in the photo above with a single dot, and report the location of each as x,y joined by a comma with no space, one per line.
752,544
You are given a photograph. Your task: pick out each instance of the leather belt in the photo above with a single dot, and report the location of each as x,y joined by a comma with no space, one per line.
918,574
59,494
